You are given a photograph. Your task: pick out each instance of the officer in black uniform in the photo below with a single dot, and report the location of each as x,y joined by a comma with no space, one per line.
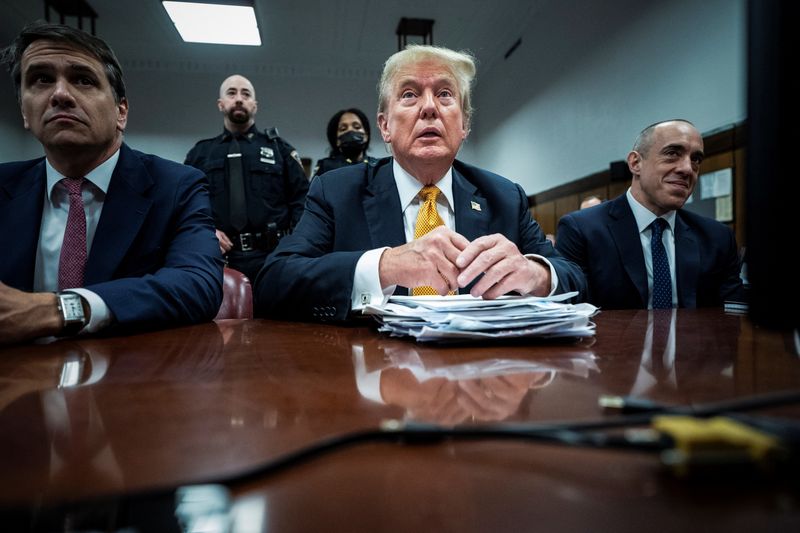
258,185
348,135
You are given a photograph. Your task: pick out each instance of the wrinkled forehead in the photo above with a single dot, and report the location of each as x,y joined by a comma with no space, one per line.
45,52
237,82
428,71
677,133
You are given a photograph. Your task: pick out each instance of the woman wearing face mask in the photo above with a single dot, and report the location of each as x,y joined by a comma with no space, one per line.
348,135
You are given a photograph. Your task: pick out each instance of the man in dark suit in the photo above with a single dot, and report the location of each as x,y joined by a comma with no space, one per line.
419,220
127,238
695,262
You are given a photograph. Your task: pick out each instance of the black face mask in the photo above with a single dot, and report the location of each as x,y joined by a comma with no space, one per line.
352,143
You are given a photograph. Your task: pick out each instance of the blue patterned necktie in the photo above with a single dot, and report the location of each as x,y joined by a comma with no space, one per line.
662,281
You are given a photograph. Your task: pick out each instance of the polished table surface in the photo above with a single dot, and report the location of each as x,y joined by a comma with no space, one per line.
97,419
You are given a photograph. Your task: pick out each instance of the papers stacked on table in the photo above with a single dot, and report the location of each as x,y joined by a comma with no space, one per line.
463,317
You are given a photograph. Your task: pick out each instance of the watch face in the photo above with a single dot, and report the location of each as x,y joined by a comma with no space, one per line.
72,307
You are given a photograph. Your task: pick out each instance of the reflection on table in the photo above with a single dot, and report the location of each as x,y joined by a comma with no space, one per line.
114,418
431,389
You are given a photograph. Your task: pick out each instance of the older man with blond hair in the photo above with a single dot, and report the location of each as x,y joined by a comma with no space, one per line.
418,222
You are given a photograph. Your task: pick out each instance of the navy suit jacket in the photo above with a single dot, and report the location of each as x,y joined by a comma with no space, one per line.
357,208
604,241
155,259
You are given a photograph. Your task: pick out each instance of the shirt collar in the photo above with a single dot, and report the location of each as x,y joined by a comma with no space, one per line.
100,176
248,135
644,217
408,186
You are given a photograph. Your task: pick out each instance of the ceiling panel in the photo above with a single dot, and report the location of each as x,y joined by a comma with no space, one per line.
342,38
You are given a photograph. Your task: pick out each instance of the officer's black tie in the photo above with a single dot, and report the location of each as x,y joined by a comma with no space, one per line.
236,192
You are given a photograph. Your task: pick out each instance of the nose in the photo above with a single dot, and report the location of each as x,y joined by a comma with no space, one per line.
686,166
428,105
61,96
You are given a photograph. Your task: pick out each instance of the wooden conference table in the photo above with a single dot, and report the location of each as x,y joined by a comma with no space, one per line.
120,423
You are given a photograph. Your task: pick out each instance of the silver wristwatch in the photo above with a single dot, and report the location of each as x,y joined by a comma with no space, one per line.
70,305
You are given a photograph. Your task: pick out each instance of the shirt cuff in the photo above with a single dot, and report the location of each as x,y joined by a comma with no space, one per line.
100,315
367,281
553,275
368,383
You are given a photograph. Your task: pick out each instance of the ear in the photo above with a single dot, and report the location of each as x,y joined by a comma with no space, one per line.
122,114
635,162
25,120
219,105
383,124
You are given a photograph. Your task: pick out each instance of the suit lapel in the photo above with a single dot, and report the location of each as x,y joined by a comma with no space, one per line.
21,201
125,209
623,228
687,258
382,207
471,210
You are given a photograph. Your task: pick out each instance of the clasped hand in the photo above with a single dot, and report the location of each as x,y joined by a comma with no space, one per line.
447,261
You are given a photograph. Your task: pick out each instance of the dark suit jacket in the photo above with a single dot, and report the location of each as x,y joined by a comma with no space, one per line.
357,208
604,241
155,259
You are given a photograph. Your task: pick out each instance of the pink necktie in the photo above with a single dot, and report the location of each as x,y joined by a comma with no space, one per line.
72,262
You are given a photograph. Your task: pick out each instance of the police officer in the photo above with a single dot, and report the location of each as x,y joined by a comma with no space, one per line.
258,185
348,135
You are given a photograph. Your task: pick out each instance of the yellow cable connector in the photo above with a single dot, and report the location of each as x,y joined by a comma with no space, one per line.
716,441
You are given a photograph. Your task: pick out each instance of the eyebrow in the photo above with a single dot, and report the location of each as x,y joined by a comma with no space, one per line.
73,67
413,81
682,148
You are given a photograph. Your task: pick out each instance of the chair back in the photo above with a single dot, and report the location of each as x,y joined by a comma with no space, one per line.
237,296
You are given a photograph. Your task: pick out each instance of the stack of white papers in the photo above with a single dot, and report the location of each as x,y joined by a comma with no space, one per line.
463,317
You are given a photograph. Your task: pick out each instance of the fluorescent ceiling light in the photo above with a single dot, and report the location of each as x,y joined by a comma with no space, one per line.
214,23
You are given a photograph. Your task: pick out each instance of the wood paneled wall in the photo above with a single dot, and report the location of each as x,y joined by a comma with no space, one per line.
725,148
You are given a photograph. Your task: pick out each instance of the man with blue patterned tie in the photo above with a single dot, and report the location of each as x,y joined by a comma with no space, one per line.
641,250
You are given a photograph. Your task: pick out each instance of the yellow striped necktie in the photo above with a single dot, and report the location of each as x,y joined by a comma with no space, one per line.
427,219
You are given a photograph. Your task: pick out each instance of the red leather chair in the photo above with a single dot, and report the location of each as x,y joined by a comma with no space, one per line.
237,296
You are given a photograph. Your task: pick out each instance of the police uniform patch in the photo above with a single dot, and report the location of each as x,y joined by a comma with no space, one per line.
296,157
267,155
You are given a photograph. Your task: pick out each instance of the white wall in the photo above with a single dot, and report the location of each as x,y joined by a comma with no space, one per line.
589,76
586,79
171,111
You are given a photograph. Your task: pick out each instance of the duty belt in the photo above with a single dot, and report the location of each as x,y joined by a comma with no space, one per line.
266,240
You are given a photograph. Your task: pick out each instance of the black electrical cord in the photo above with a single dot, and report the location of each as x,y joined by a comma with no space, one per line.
596,434
591,434
634,404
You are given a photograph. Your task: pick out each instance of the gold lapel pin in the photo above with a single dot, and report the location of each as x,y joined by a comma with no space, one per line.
475,205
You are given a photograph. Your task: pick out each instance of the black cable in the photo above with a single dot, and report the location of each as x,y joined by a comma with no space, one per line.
573,433
633,404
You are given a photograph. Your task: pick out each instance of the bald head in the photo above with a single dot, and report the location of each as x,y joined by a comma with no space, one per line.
237,81
237,102
645,139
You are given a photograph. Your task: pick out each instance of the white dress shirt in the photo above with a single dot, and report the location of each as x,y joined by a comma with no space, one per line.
51,233
645,380
367,288
644,217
